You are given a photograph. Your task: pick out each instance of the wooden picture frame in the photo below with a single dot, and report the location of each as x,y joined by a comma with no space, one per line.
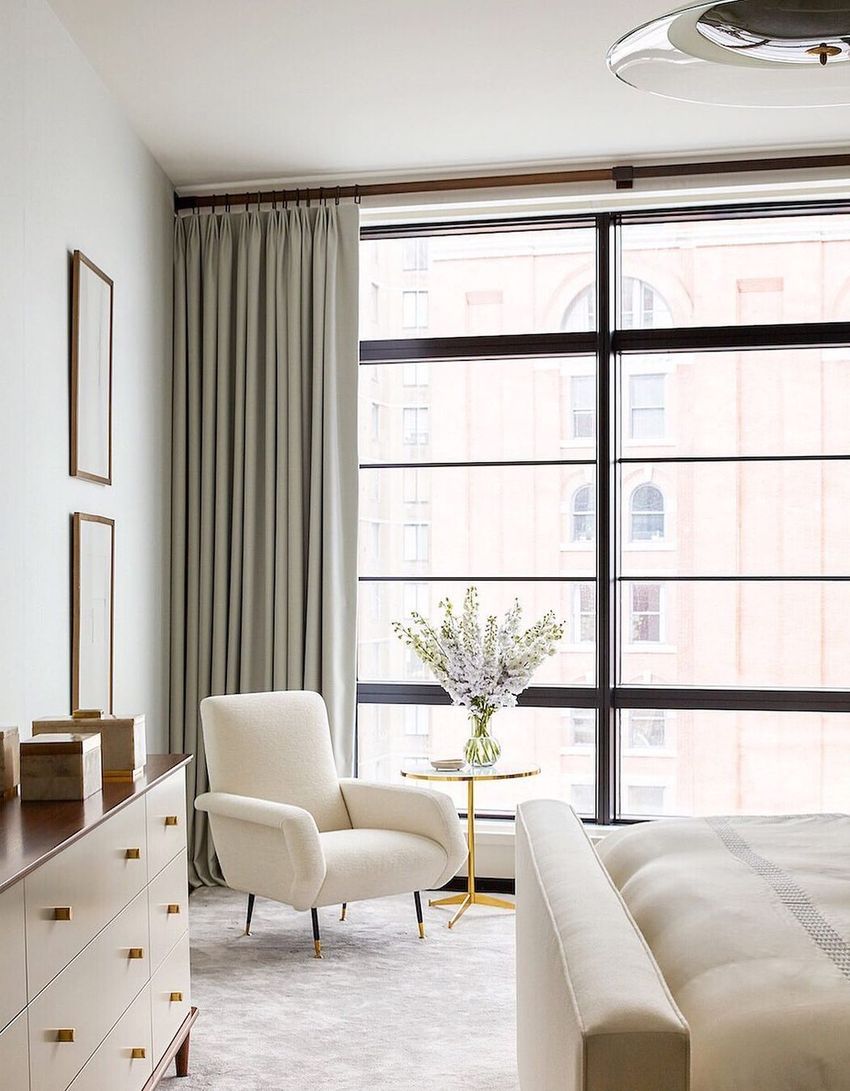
92,611
91,371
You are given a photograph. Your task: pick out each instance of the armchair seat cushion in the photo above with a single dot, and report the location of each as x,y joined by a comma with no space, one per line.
369,863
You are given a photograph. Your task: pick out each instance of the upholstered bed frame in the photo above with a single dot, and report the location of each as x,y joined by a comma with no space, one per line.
593,1010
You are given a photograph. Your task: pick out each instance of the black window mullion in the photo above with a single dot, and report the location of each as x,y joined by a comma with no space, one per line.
606,505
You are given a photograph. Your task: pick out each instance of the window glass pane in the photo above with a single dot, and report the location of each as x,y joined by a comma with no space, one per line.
769,402
737,763
736,518
500,282
480,521
726,272
542,736
381,655
783,634
477,410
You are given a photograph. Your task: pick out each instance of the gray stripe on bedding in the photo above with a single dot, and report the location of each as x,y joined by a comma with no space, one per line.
790,894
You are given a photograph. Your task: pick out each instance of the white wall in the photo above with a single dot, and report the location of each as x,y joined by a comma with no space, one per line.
73,175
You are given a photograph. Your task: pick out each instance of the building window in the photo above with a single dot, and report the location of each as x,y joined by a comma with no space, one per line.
417,720
417,599
584,613
416,373
645,799
646,607
582,798
641,308
416,486
647,729
416,541
646,515
414,254
583,404
583,727
583,514
646,407
415,421
414,310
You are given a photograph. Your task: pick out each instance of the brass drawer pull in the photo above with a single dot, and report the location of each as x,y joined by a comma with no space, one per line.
65,1035
173,909
177,998
171,820
138,1053
133,854
62,913
136,952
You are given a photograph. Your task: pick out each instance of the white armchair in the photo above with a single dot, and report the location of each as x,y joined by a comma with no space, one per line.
287,828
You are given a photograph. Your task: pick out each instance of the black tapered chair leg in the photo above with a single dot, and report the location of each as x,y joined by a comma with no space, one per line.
418,901
343,911
250,915
317,942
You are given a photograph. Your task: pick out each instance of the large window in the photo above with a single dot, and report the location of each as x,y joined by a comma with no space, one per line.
659,453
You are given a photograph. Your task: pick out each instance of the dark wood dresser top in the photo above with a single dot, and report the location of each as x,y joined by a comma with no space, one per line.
30,833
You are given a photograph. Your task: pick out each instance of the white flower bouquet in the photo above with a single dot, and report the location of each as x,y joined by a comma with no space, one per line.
481,667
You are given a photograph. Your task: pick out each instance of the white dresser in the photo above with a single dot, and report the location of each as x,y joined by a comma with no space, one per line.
94,942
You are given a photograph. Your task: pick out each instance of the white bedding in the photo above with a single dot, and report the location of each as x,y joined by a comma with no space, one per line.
749,920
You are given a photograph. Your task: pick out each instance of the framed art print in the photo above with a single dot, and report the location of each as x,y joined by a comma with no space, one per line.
91,371
93,611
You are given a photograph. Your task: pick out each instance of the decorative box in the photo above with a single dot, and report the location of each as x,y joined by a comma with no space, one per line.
10,762
122,739
60,766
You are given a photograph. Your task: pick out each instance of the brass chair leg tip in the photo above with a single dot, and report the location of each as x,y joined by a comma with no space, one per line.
247,931
318,948
422,931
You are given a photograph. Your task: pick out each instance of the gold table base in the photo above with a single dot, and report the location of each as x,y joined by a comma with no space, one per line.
471,897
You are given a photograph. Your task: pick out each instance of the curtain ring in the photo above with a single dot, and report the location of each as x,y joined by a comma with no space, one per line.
297,197
274,200
308,196
227,202
322,196
259,200
357,195
195,208
336,198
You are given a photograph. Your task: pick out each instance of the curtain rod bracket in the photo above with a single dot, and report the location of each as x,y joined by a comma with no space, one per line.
624,177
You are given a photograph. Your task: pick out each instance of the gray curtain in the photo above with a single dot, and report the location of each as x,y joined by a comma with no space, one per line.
264,501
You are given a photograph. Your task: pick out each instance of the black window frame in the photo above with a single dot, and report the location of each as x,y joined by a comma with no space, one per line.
609,344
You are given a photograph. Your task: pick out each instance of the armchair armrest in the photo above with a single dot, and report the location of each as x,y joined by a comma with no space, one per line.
420,811
267,848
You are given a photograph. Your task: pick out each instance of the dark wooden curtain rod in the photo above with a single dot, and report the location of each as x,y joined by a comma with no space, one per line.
623,177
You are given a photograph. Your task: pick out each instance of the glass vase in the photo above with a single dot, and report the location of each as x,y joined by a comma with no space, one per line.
481,749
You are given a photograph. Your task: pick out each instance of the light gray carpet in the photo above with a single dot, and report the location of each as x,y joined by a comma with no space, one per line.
382,1009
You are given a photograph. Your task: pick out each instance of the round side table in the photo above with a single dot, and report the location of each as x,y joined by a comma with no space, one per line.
471,776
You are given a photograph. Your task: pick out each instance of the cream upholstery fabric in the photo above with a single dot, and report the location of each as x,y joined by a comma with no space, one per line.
286,828
749,920
593,1010
363,863
275,746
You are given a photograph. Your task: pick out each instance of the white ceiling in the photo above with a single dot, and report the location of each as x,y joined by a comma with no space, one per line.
295,89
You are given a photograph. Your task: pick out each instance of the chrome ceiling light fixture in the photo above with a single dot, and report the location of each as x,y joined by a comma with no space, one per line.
742,53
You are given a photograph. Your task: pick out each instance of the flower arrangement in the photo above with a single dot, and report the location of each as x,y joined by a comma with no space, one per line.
482,667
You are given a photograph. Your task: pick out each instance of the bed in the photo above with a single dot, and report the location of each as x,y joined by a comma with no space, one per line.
684,955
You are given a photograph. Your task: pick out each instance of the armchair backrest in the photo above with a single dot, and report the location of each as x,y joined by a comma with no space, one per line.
275,746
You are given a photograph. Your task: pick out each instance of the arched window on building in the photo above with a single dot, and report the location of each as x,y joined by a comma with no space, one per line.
646,514
642,307
583,514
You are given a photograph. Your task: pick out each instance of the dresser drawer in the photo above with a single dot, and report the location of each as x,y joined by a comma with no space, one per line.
73,896
166,810
14,1060
13,963
88,998
168,900
125,1059
170,996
